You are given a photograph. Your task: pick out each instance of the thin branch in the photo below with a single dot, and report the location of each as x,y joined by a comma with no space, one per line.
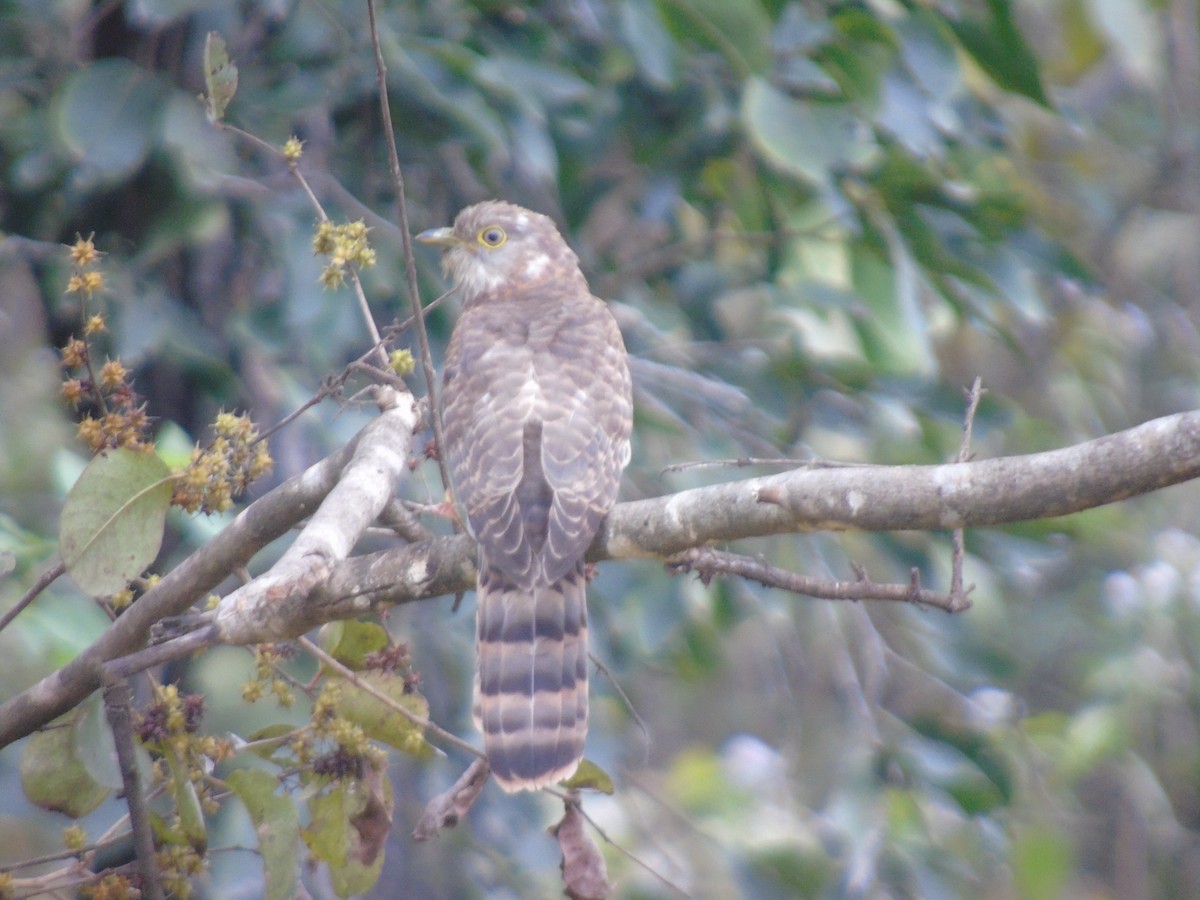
360,295
364,488
421,722
707,562
117,698
44,581
447,809
410,263
637,719
400,327
631,856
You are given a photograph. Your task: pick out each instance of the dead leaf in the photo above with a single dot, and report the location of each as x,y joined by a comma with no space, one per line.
445,810
374,822
584,872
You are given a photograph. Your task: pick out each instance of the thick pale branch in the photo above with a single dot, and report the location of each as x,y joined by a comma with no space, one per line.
1157,454
367,485
269,517
874,498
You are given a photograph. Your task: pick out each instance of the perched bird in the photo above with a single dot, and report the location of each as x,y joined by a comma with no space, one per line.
537,414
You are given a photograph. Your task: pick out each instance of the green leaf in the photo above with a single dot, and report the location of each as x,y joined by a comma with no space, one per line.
220,77
173,445
327,834
1001,51
809,140
351,642
107,114
1042,864
653,49
54,776
895,334
741,31
187,805
94,744
112,523
346,831
379,721
590,775
277,826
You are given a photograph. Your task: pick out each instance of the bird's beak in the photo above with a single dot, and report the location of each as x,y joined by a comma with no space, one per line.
442,237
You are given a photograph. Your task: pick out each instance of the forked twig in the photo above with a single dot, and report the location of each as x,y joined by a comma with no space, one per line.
707,562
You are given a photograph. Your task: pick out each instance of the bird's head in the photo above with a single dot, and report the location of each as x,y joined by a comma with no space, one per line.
499,248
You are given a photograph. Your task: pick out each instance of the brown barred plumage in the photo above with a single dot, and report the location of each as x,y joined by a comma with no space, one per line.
537,413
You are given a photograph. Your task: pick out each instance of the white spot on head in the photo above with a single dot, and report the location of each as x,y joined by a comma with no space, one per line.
522,220
536,266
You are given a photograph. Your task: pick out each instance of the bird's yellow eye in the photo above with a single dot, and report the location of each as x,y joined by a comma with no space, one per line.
492,236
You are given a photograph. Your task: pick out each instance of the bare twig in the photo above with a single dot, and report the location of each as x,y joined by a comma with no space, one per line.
638,720
410,263
360,295
117,698
44,581
400,327
707,562
356,283
631,856
447,809
349,674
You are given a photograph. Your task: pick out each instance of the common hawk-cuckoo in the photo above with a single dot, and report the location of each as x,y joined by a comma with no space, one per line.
537,412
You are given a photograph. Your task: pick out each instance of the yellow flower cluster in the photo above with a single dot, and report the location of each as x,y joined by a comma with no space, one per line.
117,418
178,863
344,245
401,362
293,149
111,887
266,656
328,724
171,724
84,279
224,469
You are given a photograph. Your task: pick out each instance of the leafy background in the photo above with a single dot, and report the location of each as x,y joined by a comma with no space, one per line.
817,222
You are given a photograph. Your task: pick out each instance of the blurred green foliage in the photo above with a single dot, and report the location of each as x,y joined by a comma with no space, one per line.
817,222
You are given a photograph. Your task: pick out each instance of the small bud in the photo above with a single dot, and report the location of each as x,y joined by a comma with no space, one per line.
75,354
74,837
112,373
83,251
293,149
402,362
332,277
72,391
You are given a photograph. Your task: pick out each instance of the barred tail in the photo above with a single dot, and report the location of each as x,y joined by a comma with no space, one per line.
531,677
